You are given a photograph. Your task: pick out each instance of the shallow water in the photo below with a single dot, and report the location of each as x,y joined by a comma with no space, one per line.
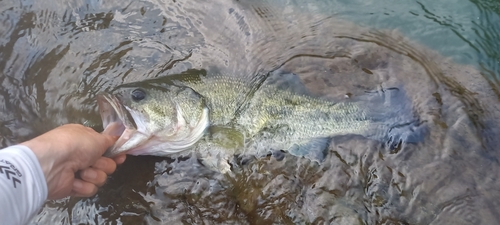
56,55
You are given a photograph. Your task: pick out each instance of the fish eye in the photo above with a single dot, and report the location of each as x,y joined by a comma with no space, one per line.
138,94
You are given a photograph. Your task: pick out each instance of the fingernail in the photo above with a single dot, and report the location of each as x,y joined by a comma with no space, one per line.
90,174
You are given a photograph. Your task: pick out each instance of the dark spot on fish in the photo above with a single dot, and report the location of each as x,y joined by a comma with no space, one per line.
138,94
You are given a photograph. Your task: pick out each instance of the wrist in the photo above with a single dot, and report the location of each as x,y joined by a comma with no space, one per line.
42,151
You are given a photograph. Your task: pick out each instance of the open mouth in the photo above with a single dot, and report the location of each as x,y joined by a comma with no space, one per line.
115,121
112,114
134,136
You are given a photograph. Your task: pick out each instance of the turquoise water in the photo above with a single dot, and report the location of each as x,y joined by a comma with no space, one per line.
467,31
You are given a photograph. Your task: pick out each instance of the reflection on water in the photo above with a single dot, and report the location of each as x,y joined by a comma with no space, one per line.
56,55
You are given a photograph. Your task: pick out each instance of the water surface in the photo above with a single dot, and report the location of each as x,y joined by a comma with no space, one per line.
56,55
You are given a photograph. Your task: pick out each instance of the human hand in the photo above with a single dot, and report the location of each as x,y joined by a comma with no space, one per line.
70,149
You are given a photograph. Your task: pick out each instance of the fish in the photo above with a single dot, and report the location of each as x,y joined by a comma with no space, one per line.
218,117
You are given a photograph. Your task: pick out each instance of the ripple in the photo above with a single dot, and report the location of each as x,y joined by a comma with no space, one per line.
56,56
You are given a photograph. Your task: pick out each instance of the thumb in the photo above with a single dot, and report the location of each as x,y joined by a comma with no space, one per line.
111,133
114,129
107,142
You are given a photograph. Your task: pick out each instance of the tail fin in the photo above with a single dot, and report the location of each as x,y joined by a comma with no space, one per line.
394,120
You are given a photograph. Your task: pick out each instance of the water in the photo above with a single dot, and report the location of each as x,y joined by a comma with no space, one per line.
56,55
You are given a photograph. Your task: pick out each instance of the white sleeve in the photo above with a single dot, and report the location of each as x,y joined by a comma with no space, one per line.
23,188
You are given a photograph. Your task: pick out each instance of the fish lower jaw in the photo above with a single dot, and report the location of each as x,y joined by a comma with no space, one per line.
140,142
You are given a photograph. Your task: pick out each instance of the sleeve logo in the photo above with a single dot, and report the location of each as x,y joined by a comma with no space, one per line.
10,172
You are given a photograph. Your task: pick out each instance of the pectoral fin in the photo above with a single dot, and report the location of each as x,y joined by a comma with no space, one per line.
218,149
226,137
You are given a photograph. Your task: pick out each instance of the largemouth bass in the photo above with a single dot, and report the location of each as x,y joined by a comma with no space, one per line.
219,117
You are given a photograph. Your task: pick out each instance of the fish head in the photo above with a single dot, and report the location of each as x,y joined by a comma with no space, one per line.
153,120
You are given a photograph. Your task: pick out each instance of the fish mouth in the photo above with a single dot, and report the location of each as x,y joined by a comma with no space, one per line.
116,122
135,139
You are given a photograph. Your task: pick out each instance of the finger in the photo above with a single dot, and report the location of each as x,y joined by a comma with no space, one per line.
113,129
120,159
83,189
107,141
89,129
102,142
94,176
105,164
